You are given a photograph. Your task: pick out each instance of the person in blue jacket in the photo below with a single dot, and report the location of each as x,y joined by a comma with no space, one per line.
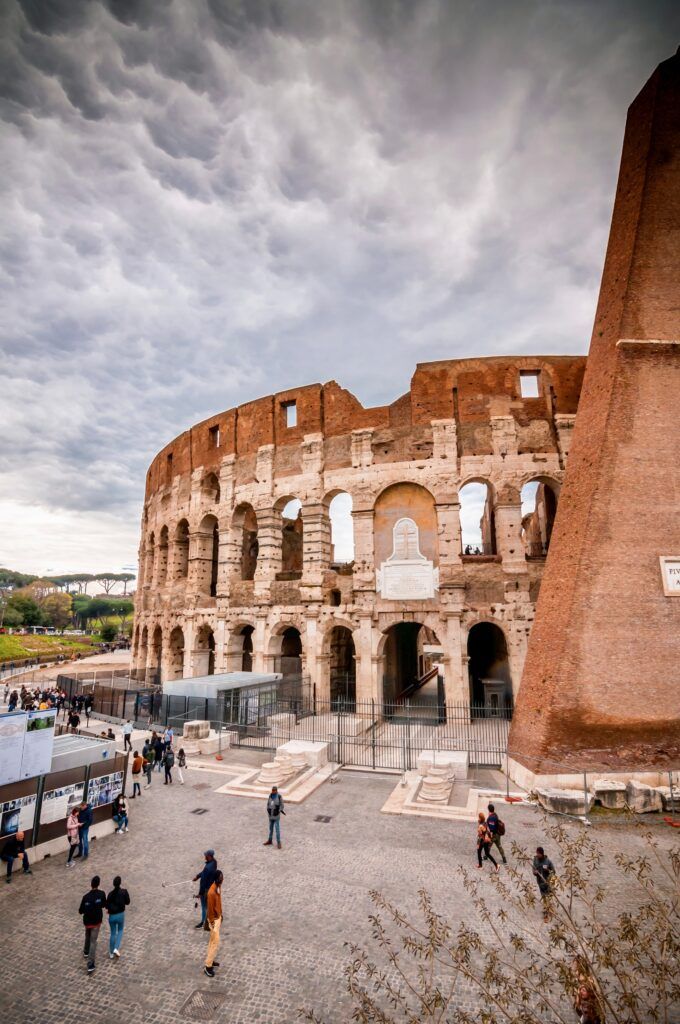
205,878
85,820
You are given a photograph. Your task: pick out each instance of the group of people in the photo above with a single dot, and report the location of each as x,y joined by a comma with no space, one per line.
92,907
490,830
157,752
36,699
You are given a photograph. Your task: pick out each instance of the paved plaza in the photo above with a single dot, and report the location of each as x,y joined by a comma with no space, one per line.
286,913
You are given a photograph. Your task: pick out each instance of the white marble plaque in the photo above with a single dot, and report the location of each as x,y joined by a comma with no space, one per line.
670,575
407,575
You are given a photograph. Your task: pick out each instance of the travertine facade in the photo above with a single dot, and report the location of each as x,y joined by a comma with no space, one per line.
226,583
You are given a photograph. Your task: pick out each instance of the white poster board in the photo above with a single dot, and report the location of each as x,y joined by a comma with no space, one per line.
57,804
36,758
12,734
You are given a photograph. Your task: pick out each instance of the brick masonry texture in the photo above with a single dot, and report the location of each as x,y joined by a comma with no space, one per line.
601,676
287,914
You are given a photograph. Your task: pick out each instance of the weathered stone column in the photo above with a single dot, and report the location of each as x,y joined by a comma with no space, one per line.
456,686
316,542
509,534
270,550
189,631
220,646
364,568
363,646
260,662
448,540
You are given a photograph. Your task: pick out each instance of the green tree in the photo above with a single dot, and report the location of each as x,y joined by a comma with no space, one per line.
108,580
11,617
98,608
82,579
124,609
31,614
109,632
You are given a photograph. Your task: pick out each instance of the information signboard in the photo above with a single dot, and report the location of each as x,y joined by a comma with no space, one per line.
58,803
17,815
12,734
36,758
104,789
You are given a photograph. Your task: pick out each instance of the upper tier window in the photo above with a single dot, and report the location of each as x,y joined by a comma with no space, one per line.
290,410
529,384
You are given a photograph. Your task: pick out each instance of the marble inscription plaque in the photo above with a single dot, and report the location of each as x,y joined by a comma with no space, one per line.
670,575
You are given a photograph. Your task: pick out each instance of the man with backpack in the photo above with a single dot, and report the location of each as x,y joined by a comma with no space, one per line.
496,829
168,762
274,811
92,909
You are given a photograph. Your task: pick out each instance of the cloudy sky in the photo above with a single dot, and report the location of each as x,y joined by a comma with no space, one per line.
204,201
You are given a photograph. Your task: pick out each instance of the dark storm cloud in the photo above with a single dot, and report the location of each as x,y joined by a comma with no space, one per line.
208,200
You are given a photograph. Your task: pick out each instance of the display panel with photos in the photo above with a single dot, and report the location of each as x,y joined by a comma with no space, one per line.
17,815
57,804
104,789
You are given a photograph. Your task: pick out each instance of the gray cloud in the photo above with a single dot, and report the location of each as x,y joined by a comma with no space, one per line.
206,201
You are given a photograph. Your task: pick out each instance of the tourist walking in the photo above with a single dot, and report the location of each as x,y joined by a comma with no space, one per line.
15,849
206,877
496,829
168,737
73,833
484,842
120,814
157,744
148,763
137,763
181,763
544,870
92,910
127,736
214,918
116,902
74,721
168,762
85,819
274,811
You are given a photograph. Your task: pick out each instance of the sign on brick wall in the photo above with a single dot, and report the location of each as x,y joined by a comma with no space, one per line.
670,575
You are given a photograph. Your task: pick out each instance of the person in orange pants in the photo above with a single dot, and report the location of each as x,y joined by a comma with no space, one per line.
214,918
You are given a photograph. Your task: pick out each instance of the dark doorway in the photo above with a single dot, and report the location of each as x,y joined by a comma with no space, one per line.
488,653
247,656
342,668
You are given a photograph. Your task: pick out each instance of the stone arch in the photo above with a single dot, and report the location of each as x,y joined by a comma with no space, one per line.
162,557
338,506
477,517
210,488
204,651
341,666
489,675
285,649
240,651
408,671
405,500
245,539
207,555
181,551
539,497
176,654
150,552
155,655
289,508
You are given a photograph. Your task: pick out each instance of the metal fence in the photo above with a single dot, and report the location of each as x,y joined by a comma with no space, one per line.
114,695
373,735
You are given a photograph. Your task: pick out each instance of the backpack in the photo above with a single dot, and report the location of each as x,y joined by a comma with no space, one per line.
501,828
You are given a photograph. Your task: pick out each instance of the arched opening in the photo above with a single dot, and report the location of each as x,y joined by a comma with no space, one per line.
204,653
162,567
210,488
247,652
342,529
286,649
181,568
176,654
291,539
244,525
155,656
477,520
149,558
142,653
488,667
343,681
208,555
539,506
410,655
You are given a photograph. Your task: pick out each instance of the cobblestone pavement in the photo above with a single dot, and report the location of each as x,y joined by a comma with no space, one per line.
286,913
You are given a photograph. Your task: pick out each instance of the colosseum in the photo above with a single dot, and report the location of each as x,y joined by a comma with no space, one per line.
364,549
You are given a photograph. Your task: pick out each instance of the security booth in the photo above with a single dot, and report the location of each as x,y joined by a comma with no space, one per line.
220,699
46,775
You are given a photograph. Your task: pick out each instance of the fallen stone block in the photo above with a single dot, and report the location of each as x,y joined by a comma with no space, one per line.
642,799
610,794
564,801
197,730
455,760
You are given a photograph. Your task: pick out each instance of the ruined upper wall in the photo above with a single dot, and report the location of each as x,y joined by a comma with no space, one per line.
471,391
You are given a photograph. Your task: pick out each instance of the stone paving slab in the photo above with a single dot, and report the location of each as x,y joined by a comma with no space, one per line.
287,913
